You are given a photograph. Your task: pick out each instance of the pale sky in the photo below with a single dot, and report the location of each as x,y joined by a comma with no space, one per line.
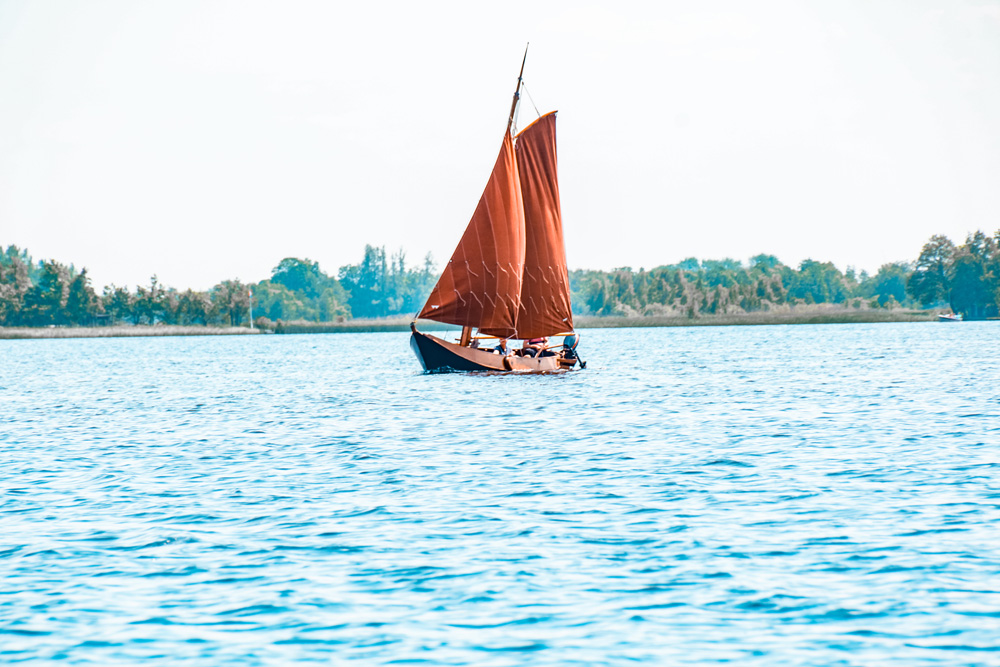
203,140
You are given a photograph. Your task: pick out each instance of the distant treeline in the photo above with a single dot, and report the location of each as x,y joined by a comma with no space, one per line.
965,278
49,293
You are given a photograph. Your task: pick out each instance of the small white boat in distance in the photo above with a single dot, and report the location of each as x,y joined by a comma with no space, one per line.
949,317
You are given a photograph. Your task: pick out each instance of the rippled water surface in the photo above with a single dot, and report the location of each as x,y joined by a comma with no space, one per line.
804,495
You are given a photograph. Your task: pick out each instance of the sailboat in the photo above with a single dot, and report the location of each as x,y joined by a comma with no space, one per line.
507,279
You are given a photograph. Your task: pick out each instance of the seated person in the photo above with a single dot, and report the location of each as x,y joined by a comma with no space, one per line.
501,347
533,347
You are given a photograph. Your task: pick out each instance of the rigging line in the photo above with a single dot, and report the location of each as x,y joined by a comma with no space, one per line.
530,99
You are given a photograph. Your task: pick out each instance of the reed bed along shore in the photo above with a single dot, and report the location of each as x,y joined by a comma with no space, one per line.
123,330
360,325
812,316
803,315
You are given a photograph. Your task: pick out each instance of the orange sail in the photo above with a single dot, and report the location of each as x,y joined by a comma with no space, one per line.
545,305
481,285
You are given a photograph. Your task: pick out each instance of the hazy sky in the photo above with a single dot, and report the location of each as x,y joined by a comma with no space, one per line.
207,140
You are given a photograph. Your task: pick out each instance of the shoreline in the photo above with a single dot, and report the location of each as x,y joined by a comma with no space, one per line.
790,317
122,331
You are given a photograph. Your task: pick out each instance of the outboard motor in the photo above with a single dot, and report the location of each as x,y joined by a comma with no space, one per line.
569,355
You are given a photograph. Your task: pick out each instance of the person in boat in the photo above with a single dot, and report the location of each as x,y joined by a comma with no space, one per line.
501,347
545,350
534,347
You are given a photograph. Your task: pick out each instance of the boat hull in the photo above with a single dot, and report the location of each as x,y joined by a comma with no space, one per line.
436,354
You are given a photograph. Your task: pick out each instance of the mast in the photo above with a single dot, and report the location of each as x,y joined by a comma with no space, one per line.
466,336
517,91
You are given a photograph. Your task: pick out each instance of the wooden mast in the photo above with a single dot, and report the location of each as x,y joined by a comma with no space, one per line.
517,91
467,331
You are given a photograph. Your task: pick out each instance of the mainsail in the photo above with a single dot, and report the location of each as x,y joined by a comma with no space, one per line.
545,304
481,285
507,277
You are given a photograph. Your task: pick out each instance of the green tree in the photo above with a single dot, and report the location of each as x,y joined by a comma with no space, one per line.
928,284
818,282
300,275
149,304
299,289
195,306
81,301
888,286
382,285
366,284
764,263
596,295
993,267
118,303
973,278
329,308
170,306
277,302
722,266
45,302
14,285
231,301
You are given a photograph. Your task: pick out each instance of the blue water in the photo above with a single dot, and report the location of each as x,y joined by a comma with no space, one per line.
803,495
